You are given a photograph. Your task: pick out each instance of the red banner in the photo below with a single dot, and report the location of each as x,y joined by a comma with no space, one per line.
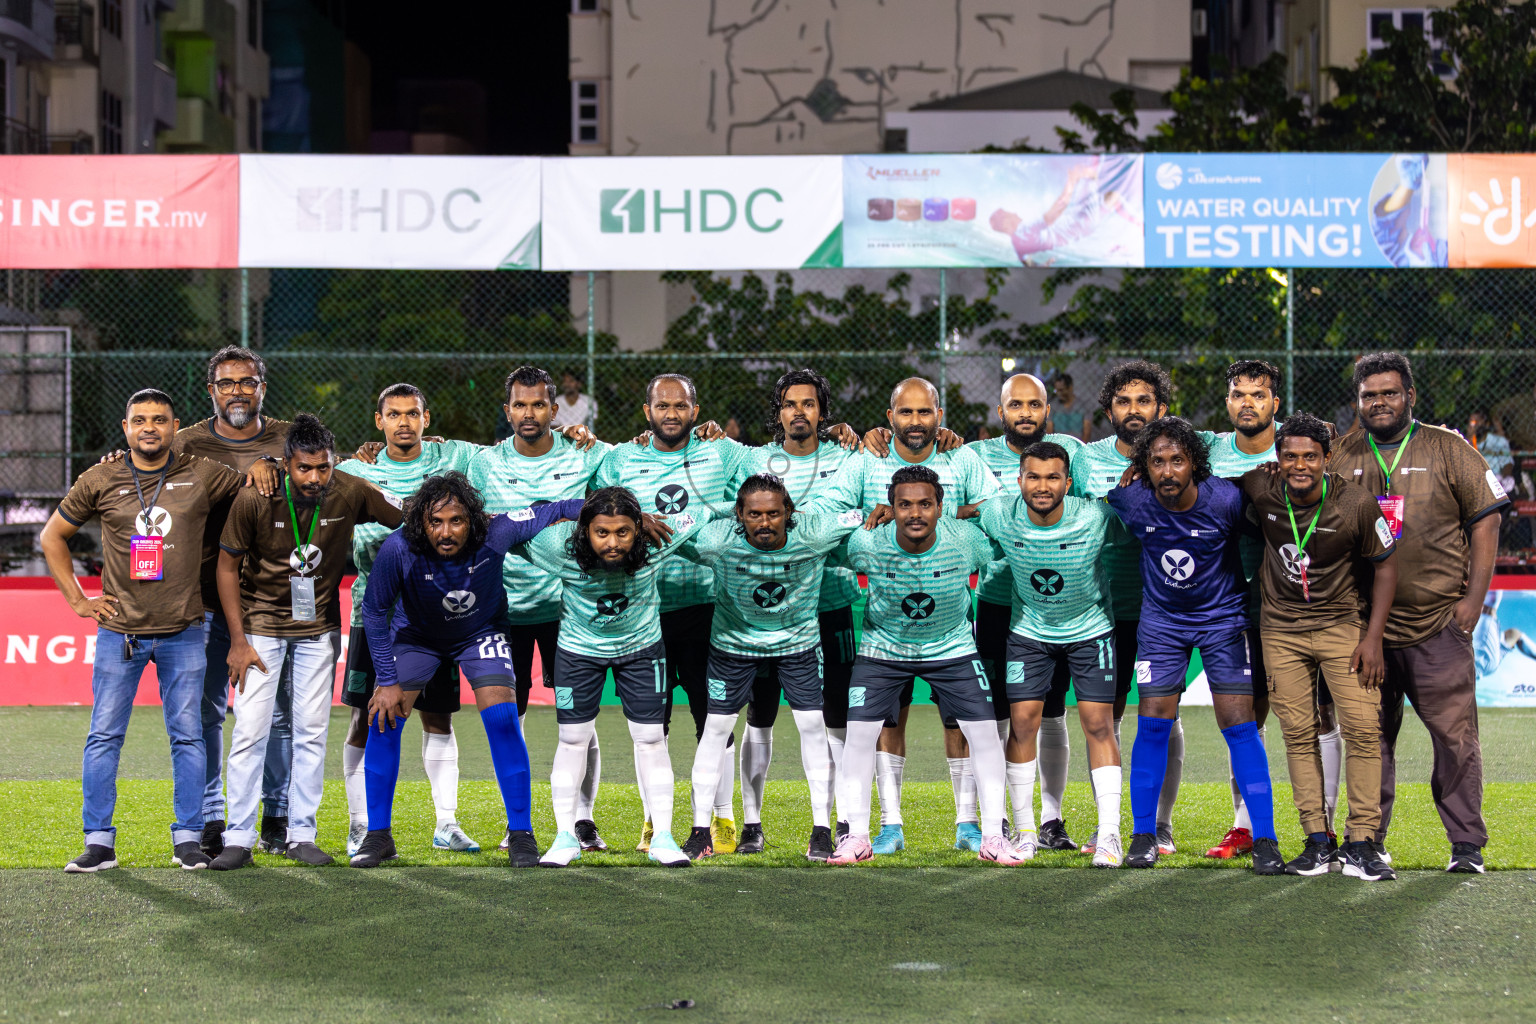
49,650
119,211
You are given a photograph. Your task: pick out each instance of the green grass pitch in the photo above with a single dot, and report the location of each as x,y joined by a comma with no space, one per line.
453,937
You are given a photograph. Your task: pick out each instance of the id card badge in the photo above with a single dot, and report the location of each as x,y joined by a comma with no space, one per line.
303,590
146,558
1392,512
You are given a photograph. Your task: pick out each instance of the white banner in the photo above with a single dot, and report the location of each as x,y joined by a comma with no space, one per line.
693,213
406,212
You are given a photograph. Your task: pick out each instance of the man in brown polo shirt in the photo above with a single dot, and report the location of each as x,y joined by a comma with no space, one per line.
153,507
1441,503
279,574
1324,541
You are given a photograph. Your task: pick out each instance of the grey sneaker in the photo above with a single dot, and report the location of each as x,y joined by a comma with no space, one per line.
308,853
231,858
1165,847
356,833
450,836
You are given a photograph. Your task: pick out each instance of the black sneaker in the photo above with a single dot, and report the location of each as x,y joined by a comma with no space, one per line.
1143,852
213,837
842,830
1380,846
586,835
189,856
1053,836
700,845
1466,859
274,835
308,853
230,858
95,858
378,847
820,847
752,839
523,850
1316,859
1362,860
1266,857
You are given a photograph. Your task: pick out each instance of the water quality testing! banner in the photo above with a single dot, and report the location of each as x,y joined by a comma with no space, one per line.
992,210
1297,210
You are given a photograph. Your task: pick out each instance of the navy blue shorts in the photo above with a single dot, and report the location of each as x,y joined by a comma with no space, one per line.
441,695
960,687
1162,661
1035,665
485,661
730,677
641,679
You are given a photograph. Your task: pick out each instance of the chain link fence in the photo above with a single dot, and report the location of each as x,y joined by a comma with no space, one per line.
75,344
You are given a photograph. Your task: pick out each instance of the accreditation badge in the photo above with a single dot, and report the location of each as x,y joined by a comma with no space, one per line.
146,558
1392,512
302,589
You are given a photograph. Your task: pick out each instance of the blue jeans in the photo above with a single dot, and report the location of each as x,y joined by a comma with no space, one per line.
179,663
274,778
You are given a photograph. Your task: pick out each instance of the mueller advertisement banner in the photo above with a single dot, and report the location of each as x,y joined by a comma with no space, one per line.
693,213
1297,210
1493,210
64,212
917,210
389,212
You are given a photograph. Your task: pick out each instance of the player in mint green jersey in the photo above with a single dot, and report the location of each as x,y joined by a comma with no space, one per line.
917,623
1133,395
915,417
767,561
398,471
534,466
1060,626
1024,409
610,621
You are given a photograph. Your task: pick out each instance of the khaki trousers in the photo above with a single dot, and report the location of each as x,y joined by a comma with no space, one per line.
1292,661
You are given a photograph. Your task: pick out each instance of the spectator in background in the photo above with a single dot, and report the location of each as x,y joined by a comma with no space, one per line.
1493,445
1515,419
573,407
1066,417
733,428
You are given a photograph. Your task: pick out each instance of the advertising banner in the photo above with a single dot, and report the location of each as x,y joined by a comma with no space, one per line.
1002,210
389,212
1504,648
1297,210
69,212
1493,211
693,213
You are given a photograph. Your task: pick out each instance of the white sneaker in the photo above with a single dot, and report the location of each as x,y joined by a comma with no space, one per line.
1107,852
1026,844
449,836
663,849
565,849
355,836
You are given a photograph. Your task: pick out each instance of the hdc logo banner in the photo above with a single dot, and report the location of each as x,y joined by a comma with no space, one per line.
1493,211
1296,210
692,213
406,213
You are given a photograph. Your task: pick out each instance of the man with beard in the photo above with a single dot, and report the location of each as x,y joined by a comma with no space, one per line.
280,568
1188,522
768,562
915,417
1024,410
1133,394
1441,503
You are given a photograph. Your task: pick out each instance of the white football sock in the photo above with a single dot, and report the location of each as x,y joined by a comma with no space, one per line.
1170,793
963,781
357,788
586,796
1117,734
888,771
836,738
1055,754
565,775
1106,793
756,753
1002,730
856,773
986,762
725,790
1021,788
706,766
440,758
816,760
1331,745
653,770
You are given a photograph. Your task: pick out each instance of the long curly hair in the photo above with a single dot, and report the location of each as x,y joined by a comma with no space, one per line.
796,378
435,491
1182,433
609,501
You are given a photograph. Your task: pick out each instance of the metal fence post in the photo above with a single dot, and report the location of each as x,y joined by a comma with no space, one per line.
943,337
245,308
1290,341
591,332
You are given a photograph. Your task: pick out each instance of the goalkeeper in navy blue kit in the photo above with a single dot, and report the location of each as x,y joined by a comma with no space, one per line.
444,566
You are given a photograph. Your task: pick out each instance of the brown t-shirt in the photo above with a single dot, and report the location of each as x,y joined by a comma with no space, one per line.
1446,486
202,439
261,530
180,515
1350,532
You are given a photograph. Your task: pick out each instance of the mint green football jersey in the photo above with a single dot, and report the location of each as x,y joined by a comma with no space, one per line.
865,481
766,601
1229,463
996,586
509,481
398,480
1096,470
696,479
1059,593
806,477
919,606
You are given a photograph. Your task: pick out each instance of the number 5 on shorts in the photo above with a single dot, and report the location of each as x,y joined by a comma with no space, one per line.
495,646
981,675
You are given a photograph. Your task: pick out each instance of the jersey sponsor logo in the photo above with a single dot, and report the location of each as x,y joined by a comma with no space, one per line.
1178,564
853,517
717,689
612,604
1294,561
565,698
683,522
856,696
457,602
1047,582
1383,533
304,560
1143,673
917,606
152,522
520,515
671,499
1494,485
393,500
769,594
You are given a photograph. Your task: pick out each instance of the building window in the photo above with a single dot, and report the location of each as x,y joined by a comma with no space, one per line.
253,124
584,112
1406,19
585,6
111,122
253,24
112,17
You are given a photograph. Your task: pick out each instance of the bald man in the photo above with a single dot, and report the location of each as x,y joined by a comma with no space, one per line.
1023,410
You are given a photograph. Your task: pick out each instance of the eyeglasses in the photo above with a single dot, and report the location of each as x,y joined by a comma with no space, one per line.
247,385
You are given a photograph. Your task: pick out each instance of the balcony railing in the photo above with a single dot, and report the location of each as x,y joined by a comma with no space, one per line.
18,137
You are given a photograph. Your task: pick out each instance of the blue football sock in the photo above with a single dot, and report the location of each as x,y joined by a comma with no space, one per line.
1149,763
381,770
509,757
1250,767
